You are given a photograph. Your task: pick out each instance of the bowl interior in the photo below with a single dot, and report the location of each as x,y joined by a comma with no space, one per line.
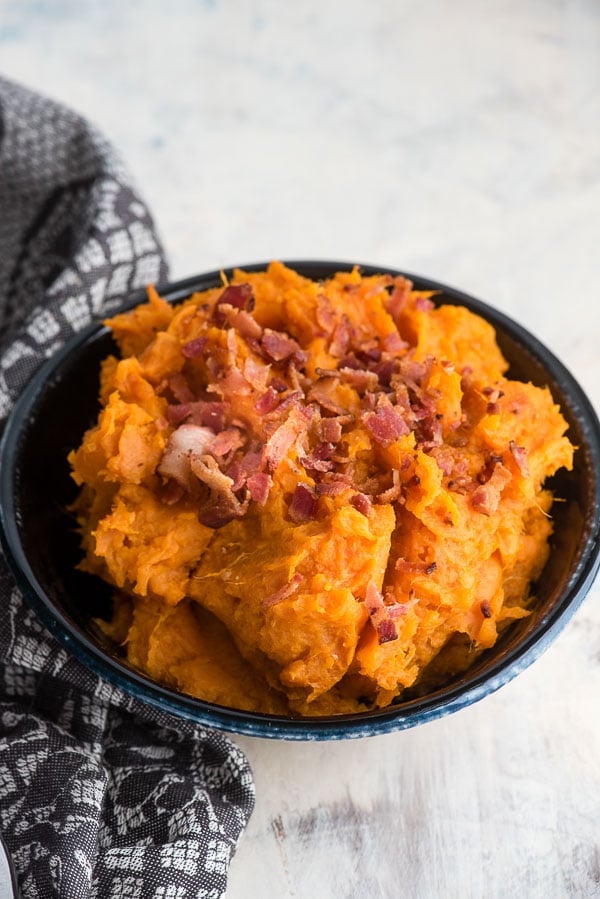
43,546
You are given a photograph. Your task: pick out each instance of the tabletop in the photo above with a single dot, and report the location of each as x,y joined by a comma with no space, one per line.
457,140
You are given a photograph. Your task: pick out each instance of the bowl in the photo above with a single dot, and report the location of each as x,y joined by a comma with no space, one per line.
42,548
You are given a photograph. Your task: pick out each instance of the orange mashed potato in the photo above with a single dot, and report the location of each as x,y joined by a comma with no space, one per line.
310,496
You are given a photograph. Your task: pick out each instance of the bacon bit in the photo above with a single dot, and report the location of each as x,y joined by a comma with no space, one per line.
461,484
251,462
493,409
209,414
386,631
492,460
370,401
373,598
520,456
385,371
385,424
320,458
331,430
298,381
431,568
393,343
285,436
290,400
221,506
370,354
327,372
256,373
279,346
486,499
423,304
178,413
399,297
414,373
303,506
332,484
361,380
237,475
180,388
194,349
350,361
341,337
284,592
392,493
486,609
397,610
323,450
267,402
380,615
241,470
244,323
444,457
259,485
312,464
240,296
361,503
325,313
255,346
230,382
226,441
321,393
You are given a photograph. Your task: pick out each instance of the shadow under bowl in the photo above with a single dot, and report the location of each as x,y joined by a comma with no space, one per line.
42,547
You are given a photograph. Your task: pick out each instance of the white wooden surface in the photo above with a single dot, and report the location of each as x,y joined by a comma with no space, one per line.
458,140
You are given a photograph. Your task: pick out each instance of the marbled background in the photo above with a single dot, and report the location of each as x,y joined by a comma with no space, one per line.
460,140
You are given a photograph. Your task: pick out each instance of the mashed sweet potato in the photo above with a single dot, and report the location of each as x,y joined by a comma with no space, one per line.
311,496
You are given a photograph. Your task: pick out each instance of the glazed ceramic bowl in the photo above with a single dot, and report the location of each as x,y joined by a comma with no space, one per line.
60,403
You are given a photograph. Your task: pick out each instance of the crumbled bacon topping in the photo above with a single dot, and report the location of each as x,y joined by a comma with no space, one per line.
383,615
279,346
238,296
303,506
259,485
240,320
519,454
221,505
194,349
385,424
267,408
331,430
486,498
341,337
286,435
267,402
361,503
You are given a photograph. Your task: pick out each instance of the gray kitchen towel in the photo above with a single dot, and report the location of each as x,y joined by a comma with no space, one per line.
100,795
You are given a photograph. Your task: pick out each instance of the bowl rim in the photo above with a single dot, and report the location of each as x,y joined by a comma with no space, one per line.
464,691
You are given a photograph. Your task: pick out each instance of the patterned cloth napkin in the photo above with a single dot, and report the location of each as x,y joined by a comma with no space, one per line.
100,795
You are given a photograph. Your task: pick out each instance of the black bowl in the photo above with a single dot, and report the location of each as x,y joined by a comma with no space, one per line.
41,545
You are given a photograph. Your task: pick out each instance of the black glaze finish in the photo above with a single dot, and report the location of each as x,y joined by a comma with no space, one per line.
38,534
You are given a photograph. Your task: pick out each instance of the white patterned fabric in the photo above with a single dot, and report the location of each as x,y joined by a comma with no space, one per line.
100,795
